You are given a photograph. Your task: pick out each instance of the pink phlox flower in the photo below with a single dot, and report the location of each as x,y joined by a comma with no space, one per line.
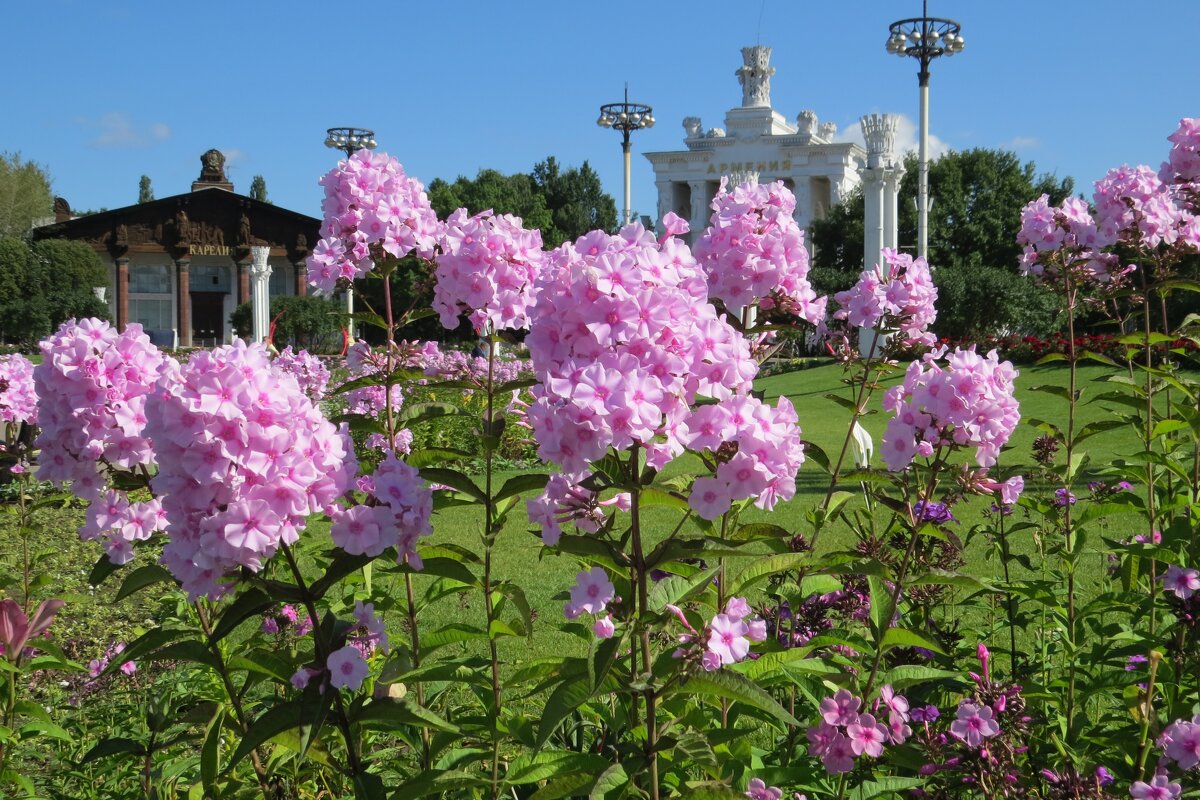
16,629
839,755
1182,743
841,709
756,789
974,724
347,668
603,627
727,639
897,296
376,632
592,591
1160,788
867,736
1182,582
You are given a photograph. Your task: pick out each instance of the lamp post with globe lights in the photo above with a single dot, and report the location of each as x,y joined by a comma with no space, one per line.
924,38
626,117
350,141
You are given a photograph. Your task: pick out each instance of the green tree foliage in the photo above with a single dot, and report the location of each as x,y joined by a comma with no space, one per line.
24,194
978,195
44,284
258,189
145,190
562,204
305,321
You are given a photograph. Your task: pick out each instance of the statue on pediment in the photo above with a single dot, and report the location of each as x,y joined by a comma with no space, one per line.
244,237
829,131
183,228
755,76
806,123
693,127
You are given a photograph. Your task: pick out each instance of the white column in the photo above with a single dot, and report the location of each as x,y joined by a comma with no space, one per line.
873,216
700,210
260,292
891,218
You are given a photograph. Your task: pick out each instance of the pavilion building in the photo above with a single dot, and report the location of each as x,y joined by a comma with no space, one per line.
180,265
757,143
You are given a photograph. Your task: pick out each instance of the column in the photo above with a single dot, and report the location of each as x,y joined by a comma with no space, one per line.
122,292
700,210
243,281
183,295
891,218
873,216
664,199
260,279
300,269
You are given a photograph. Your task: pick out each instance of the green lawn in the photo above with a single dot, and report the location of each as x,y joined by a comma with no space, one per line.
92,618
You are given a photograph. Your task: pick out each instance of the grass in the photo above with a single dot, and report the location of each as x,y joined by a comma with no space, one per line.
92,618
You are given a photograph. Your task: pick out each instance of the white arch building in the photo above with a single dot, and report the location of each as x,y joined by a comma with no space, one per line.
757,142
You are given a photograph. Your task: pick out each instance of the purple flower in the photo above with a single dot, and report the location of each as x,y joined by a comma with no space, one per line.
1158,789
1134,660
925,714
841,709
1183,582
757,790
1063,497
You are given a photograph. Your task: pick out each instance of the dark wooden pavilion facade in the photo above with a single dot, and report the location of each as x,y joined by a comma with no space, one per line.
180,265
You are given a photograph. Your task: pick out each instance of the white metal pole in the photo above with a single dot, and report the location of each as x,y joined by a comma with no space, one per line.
923,174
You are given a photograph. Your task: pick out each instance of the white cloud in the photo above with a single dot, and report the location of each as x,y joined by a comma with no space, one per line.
906,138
116,129
1022,143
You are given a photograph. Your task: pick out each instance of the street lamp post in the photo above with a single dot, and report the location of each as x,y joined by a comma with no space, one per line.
626,117
924,38
350,141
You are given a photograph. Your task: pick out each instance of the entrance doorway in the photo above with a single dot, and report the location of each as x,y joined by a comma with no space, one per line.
208,318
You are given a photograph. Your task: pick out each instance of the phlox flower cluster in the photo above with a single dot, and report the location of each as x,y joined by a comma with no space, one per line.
369,202
966,403
346,667
757,789
1065,237
1180,743
897,295
1183,162
623,340
244,457
118,523
97,666
1160,787
92,387
563,500
844,734
486,269
400,516
457,365
753,251
757,447
818,613
18,399
1134,205
728,637
372,401
1182,582
308,370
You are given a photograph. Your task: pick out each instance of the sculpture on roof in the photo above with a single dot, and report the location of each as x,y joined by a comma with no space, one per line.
693,127
806,122
212,167
755,76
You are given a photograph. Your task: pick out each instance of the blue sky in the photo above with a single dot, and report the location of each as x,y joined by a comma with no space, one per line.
101,91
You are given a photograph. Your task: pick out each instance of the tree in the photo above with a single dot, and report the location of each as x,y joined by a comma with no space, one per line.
305,321
576,201
145,192
24,195
258,189
44,284
978,195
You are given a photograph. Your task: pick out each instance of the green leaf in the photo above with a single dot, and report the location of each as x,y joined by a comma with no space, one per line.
912,674
252,602
567,786
424,412
210,754
449,783
731,685
140,578
384,714
712,791
40,727
902,637
882,607
148,642
305,711
603,654
427,456
611,785
534,767
766,567
101,570
519,484
566,697
890,786
343,564
456,480
116,745
676,589
449,634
